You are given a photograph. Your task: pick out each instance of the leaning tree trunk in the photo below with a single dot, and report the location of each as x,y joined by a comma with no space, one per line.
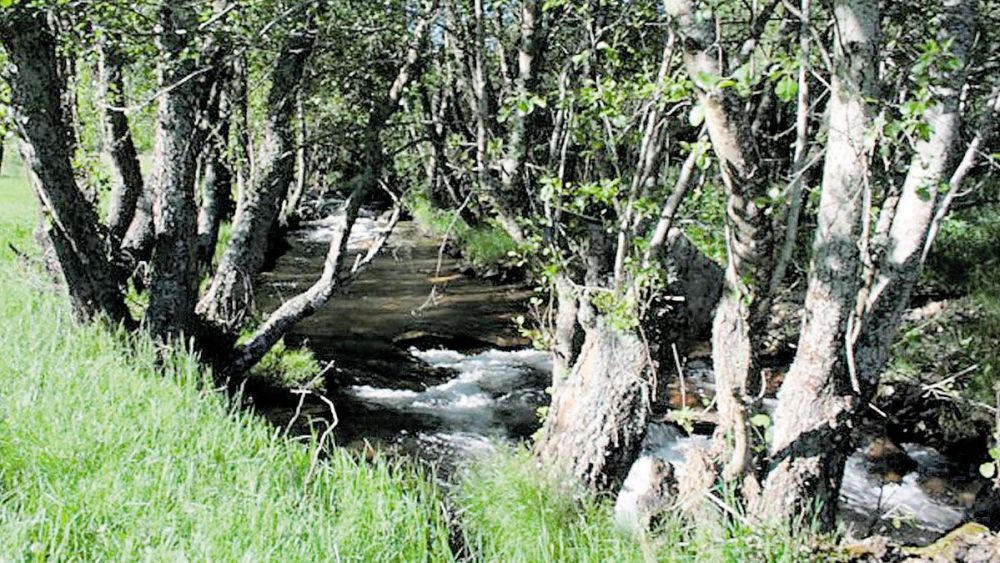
93,281
230,295
127,186
919,201
817,399
741,315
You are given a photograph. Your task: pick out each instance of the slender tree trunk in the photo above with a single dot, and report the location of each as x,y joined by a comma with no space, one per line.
741,315
794,190
229,298
241,124
506,210
217,179
513,178
37,88
290,210
817,400
179,140
931,166
127,183
138,241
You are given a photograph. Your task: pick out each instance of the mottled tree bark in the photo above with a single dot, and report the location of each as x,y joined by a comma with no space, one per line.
180,138
217,177
290,209
229,298
741,316
817,399
598,415
932,164
127,183
565,347
37,88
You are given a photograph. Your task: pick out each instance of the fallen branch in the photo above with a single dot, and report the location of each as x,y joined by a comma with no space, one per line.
334,277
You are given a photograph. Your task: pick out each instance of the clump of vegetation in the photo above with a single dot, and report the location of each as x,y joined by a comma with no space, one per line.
289,368
513,510
950,355
483,246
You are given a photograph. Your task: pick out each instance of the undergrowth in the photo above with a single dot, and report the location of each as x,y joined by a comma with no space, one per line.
950,354
483,246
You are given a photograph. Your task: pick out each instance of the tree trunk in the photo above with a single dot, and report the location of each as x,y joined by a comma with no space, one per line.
179,140
599,413
229,298
930,167
565,345
812,421
514,194
742,312
94,281
507,212
127,183
290,210
217,181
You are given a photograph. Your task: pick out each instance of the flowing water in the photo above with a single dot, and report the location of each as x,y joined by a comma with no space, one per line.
424,361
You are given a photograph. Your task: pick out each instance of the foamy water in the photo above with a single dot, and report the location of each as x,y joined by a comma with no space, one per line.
471,409
471,413
366,230
862,494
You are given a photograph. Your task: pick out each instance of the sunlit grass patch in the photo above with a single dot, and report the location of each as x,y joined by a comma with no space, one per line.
108,453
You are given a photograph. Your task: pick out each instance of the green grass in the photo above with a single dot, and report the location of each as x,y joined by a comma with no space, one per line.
484,245
112,449
512,510
106,453
18,209
289,368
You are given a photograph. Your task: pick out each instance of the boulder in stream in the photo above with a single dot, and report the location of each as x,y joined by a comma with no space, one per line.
647,492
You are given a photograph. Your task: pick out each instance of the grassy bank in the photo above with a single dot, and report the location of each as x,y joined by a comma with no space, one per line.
482,246
107,453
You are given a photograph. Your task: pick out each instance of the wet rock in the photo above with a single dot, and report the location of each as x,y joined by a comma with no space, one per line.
872,548
648,490
971,542
986,507
888,460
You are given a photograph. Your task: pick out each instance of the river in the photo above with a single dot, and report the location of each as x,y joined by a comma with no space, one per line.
425,361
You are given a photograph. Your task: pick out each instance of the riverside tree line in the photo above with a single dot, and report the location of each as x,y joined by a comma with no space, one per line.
832,137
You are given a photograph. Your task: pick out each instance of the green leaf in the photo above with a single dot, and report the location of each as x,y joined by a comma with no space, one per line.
988,469
995,453
697,115
760,420
786,89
